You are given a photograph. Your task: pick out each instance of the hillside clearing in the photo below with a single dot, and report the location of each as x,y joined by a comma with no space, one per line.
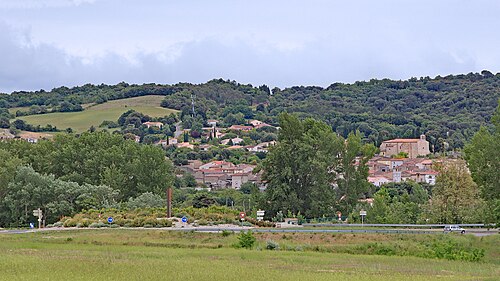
94,115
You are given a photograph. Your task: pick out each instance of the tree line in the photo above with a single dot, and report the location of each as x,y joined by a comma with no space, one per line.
74,172
314,172
449,110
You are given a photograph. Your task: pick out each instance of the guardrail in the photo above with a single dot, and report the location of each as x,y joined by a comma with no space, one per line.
298,230
395,225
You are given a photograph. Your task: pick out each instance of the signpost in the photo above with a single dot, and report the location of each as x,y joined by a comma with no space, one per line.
339,214
242,217
362,213
38,213
184,221
260,215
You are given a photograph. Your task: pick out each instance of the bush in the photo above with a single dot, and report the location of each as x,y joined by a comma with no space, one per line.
138,222
246,239
271,245
70,223
452,250
98,225
202,222
150,222
164,223
85,223
58,224
226,233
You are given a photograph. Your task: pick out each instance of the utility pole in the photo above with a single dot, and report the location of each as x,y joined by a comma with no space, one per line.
169,202
192,104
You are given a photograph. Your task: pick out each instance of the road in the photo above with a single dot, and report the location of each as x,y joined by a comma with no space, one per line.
475,232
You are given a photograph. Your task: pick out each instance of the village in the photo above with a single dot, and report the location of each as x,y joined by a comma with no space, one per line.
399,160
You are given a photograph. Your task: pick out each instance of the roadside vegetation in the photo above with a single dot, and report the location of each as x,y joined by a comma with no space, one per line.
155,254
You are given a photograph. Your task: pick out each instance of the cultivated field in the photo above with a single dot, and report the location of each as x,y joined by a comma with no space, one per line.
151,254
94,115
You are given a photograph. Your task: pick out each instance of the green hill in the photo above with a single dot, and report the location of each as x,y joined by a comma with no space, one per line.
94,115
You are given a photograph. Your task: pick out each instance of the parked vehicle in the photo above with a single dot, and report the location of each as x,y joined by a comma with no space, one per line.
453,228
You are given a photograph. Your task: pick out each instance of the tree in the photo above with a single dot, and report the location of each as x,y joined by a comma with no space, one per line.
196,129
8,167
30,190
203,201
146,200
352,182
300,169
483,157
189,180
455,197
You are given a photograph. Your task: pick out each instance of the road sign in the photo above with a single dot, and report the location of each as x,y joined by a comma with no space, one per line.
110,220
184,219
32,225
37,212
362,213
242,216
260,215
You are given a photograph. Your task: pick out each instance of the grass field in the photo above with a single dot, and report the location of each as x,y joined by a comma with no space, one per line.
119,254
94,115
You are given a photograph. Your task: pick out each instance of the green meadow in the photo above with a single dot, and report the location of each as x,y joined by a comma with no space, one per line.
153,254
94,115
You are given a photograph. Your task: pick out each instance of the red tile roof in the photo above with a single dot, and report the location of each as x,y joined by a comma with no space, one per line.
401,140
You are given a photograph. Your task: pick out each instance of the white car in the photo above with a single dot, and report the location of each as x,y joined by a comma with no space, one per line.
453,228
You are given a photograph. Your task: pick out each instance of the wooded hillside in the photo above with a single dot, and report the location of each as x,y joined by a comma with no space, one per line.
449,110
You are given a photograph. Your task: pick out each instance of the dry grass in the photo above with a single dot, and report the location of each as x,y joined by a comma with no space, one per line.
94,115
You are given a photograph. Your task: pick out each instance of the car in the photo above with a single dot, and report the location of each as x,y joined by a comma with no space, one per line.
453,228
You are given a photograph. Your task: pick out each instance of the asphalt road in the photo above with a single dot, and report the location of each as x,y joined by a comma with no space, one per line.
476,232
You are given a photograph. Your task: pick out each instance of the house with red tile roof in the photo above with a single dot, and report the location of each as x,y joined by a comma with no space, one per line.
153,124
240,128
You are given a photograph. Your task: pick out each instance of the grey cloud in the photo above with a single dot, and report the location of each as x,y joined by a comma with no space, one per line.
31,4
319,62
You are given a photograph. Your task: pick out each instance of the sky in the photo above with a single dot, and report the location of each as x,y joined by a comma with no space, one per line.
281,43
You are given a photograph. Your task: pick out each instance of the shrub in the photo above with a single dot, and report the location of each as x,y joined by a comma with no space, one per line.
452,250
70,223
98,225
138,222
271,245
85,223
246,239
202,222
163,223
226,233
58,224
150,222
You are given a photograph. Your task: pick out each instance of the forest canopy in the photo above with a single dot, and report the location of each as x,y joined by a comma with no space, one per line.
449,110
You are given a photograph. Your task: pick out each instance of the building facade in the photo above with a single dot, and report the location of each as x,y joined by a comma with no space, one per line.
412,147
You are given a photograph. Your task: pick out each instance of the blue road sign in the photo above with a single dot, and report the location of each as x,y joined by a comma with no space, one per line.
110,220
32,225
184,219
